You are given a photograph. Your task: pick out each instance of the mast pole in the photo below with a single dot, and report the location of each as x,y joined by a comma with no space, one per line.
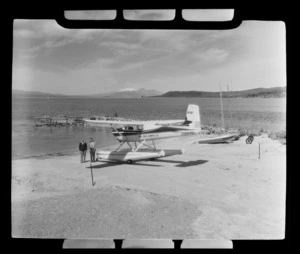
223,125
229,106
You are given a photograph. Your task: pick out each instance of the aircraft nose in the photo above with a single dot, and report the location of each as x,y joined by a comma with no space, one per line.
121,138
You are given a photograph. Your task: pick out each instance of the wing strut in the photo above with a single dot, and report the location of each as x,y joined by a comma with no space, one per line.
143,143
139,146
120,146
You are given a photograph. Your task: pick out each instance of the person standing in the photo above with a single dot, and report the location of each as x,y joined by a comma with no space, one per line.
82,149
92,149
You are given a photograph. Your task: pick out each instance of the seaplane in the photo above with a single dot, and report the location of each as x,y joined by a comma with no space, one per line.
138,134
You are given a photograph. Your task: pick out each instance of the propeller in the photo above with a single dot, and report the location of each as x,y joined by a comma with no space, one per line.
115,129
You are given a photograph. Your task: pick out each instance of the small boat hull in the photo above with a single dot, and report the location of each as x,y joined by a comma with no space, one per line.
221,139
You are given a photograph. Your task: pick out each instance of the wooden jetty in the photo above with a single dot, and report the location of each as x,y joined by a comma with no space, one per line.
58,121
63,120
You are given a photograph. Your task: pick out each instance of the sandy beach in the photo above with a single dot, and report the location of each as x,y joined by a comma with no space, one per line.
216,191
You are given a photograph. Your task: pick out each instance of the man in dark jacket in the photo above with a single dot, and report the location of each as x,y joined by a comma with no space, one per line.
82,149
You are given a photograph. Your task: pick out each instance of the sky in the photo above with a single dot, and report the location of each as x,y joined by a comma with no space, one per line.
49,58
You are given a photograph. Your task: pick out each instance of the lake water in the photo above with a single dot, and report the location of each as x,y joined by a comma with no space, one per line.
245,113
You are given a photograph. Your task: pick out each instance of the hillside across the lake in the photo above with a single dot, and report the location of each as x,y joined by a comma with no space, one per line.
274,92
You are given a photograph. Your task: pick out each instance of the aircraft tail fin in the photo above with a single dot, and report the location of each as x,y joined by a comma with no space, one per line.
193,116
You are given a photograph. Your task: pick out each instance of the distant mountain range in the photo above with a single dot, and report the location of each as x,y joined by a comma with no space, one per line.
118,94
274,92
20,93
129,94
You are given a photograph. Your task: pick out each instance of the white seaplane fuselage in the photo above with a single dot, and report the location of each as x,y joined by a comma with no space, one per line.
125,135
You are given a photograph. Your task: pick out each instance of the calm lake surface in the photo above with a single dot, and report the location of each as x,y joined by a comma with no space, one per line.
242,113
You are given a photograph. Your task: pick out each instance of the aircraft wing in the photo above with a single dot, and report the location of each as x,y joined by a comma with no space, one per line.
123,123
167,122
134,123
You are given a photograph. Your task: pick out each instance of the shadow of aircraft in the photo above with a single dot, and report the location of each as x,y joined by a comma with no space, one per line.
180,163
220,143
191,163
113,163
185,163
104,165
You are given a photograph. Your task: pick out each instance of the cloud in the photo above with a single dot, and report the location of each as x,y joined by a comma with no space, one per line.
127,89
212,55
39,28
121,48
93,59
48,34
91,15
45,35
208,15
81,81
149,14
25,33
165,39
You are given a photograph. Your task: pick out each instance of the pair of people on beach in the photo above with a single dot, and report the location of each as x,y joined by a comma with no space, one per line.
83,149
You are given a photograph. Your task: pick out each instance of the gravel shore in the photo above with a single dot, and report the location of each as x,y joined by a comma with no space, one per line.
107,212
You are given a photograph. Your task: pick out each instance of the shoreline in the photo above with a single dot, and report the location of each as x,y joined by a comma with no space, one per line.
207,131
